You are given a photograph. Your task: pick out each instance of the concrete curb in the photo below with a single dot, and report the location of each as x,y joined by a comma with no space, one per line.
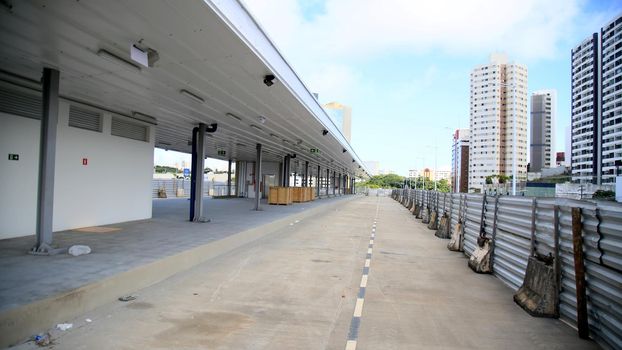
17,324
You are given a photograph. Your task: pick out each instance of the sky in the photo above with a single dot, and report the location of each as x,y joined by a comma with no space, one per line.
403,65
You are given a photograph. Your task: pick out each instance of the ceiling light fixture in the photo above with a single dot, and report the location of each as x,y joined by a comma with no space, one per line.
233,116
144,118
269,80
261,119
275,136
189,94
118,60
256,127
240,145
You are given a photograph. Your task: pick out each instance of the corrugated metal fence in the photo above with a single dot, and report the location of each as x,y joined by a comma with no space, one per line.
522,226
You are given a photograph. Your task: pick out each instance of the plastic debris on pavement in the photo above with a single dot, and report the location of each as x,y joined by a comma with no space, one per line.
43,339
77,250
127,298
64,326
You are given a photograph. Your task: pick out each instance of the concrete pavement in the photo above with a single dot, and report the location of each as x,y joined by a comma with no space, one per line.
297,288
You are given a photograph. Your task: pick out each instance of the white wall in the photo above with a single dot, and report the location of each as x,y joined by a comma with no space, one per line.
114,187
267,168
18,179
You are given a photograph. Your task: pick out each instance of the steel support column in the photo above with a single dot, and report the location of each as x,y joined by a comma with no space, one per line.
334,183
318,182
229,179
286,162
258,177
340,189
327,183
305,179
47,162
196,175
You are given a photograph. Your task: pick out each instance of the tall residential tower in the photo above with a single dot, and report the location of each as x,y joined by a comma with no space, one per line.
543,115
460,161
597,105
498,104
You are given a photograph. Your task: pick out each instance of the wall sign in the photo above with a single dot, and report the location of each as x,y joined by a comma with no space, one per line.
85,161
13,156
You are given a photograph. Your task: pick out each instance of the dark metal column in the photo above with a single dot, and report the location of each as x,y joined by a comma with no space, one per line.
286,162
258,177
339,188
327,182
305,181
334,184
295,180
229,179
196,175
47,162
318,182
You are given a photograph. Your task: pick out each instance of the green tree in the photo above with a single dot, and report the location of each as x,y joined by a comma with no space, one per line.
163,169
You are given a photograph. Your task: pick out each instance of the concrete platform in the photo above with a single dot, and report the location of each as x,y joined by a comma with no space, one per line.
29,284
298,288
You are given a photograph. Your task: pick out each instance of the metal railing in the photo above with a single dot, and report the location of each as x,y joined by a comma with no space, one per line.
180,188
520,227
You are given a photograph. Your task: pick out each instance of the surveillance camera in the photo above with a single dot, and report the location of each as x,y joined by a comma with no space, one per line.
324,132
343,150
268,79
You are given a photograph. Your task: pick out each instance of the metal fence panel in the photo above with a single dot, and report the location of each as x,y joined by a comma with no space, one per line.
602,244
455,211
473,217
513,240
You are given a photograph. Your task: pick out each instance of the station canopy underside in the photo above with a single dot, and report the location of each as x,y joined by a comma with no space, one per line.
201,52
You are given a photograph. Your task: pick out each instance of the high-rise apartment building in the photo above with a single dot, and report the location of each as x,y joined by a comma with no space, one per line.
597,105
498,120
585,123
342,117
611,150
543,115
460,161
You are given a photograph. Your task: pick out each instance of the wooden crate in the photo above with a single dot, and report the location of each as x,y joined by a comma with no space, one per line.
284,195
308,194
297,194
273,195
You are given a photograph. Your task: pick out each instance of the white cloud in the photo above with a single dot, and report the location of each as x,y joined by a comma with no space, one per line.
359,29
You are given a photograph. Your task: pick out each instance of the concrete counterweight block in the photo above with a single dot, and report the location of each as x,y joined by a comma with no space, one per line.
433,224
416,209
425,216
443,228
538,294
419,213
456,236
480,259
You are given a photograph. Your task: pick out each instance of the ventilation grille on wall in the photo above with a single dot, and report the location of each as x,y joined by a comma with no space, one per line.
20,103
131,130
85,119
